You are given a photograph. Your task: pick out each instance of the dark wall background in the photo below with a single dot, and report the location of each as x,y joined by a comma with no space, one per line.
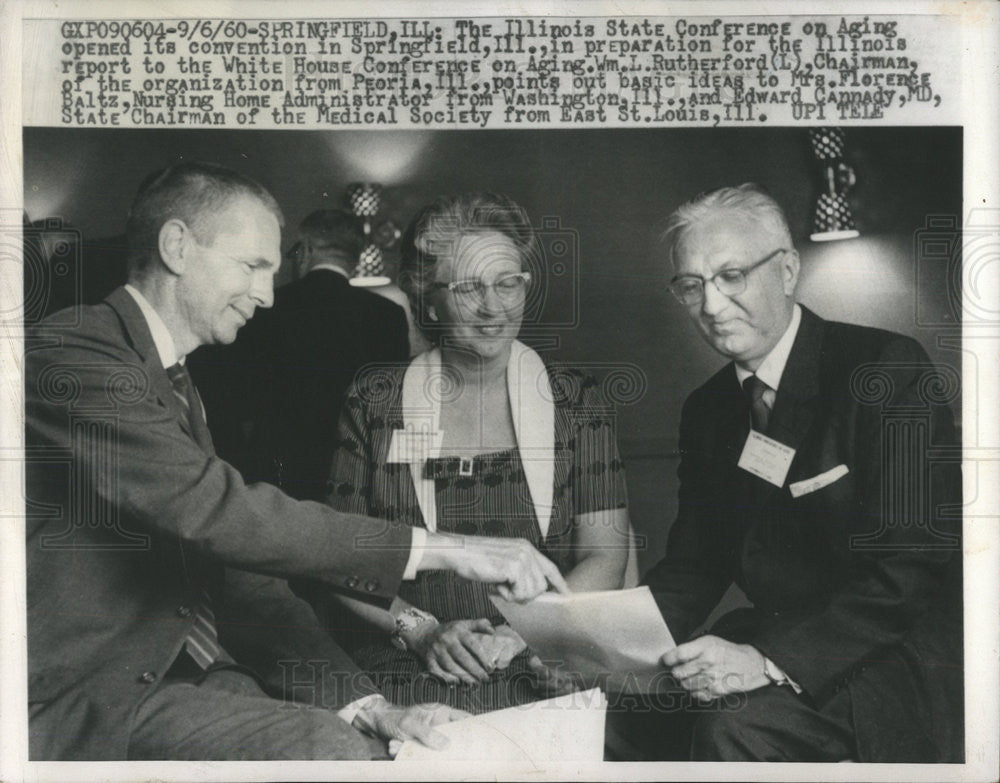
605,191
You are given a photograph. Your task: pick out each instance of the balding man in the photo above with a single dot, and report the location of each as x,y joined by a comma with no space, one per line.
805,479
159,622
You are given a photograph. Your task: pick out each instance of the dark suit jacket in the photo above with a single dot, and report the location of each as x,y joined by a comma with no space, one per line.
856,585
129,520
300,356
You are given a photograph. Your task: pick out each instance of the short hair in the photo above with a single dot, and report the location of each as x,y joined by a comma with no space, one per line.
749,200
436,230
193,192
338,229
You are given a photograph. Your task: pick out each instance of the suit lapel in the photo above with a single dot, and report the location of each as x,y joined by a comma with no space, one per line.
196,570
141,339
731,421
732,418
198,426
794,405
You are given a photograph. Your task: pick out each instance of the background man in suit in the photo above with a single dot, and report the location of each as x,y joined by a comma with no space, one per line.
827,514
304,352
140,643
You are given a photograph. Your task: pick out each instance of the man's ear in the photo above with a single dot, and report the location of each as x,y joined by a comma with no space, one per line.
174,240
790,271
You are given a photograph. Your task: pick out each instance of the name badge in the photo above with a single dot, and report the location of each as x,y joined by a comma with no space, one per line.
766,458
414,446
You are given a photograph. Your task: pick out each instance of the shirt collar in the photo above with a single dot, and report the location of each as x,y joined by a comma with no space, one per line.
161,335
773,366
332,267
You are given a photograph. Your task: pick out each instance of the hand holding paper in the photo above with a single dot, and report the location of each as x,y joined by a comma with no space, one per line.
395,723
709,667
617,635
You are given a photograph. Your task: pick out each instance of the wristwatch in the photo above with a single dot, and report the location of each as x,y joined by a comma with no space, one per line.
407,620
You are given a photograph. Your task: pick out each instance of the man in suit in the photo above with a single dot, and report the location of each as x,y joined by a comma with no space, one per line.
805,478
306,350
159,621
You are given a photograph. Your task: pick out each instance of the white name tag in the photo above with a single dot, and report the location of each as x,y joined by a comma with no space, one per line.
414,446
766,458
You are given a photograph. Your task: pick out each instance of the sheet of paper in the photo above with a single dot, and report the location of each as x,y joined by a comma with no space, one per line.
614,637
564,729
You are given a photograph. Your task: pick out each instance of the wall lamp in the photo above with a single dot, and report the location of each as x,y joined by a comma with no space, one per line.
833,219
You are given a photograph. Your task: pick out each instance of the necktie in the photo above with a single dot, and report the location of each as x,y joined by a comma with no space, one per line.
754,388
188,397
202,641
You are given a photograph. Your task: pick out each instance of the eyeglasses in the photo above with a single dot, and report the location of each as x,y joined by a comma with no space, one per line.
509,288
690,289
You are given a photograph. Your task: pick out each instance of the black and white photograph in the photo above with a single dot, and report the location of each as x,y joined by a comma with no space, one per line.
617,445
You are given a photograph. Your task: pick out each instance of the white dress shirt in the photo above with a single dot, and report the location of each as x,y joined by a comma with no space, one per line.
164,343
773,366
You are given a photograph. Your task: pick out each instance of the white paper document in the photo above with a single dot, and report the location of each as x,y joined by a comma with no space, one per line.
615,637
565,729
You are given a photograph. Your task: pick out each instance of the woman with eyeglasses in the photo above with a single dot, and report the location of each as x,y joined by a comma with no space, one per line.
476,436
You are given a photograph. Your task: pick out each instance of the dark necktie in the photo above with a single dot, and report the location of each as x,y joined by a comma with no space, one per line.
188,397
202,641
754,388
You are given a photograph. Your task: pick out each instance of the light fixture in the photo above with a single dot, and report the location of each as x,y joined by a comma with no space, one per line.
833,219
365,199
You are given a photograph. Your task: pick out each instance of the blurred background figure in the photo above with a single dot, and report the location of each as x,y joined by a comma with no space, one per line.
307,348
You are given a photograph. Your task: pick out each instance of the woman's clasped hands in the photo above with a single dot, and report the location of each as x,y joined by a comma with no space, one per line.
464,651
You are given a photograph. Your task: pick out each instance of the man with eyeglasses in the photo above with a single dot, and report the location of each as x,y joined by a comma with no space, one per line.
797,485
159,622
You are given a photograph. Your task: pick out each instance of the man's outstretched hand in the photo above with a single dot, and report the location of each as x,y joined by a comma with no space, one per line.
518,571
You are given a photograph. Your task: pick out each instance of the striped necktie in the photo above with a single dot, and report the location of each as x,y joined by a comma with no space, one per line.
187,396
202,641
